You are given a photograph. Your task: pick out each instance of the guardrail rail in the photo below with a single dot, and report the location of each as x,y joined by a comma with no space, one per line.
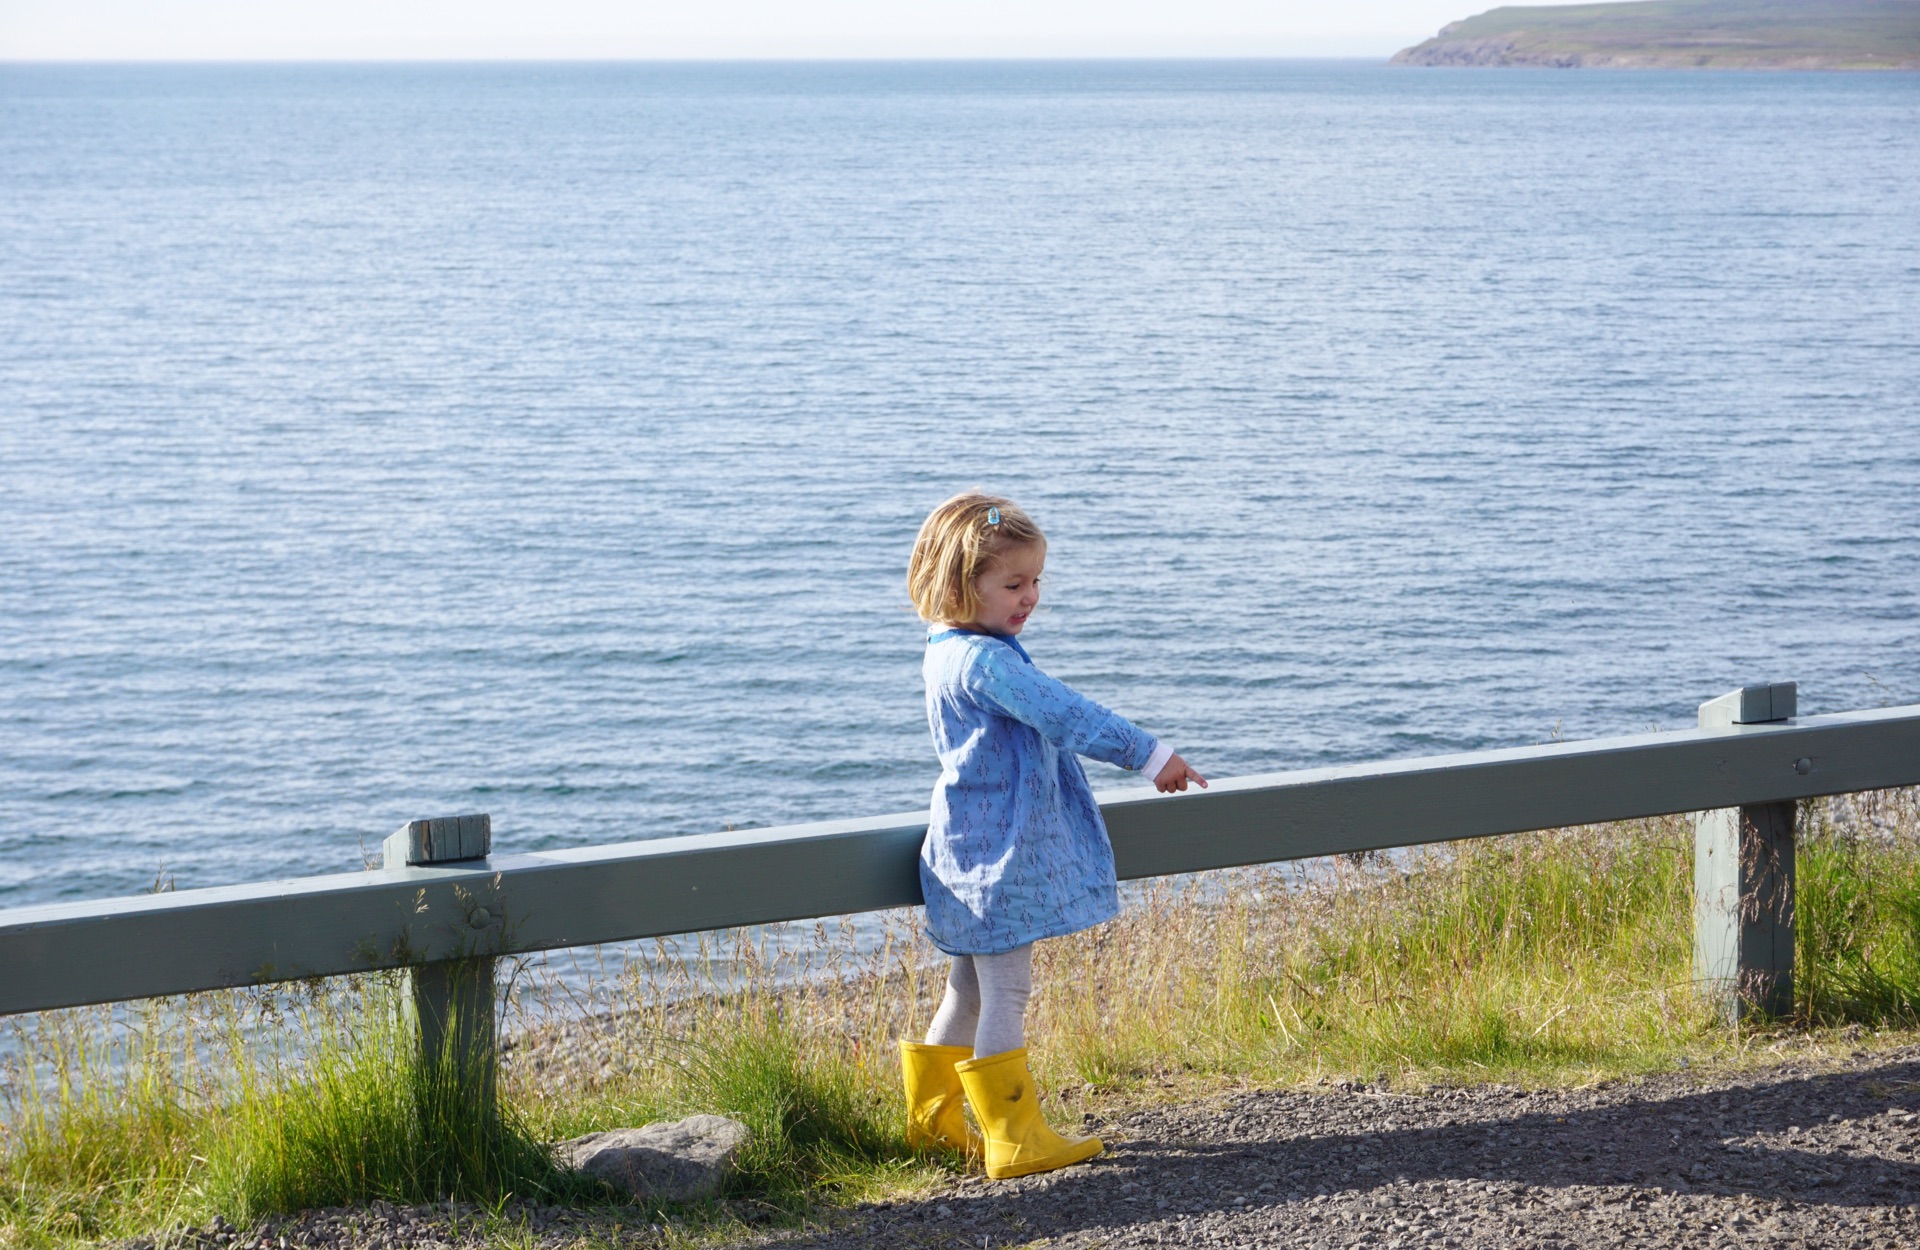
445,906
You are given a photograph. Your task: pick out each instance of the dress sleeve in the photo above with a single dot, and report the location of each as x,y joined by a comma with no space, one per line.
1060,713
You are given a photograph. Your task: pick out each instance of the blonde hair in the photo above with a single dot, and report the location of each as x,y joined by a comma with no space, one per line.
957,542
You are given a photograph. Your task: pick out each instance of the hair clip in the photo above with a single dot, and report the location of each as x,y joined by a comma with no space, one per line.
993,516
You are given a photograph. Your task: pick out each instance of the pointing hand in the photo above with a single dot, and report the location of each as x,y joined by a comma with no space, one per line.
1175,774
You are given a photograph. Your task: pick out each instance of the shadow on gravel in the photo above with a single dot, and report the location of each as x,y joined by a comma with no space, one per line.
1833,1140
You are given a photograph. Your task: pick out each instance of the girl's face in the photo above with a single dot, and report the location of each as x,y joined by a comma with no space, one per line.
1009,589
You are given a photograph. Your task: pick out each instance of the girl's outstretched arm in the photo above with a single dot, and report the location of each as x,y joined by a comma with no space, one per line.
1068,718
1063,715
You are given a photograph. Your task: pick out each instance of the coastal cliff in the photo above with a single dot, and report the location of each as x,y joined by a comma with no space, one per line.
1684,34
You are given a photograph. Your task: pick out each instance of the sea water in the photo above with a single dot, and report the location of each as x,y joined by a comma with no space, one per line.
391,441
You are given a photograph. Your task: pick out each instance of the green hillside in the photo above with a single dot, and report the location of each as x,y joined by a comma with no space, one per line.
1685,34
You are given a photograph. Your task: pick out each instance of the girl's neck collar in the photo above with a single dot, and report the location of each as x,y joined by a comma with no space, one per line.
950,627
940,629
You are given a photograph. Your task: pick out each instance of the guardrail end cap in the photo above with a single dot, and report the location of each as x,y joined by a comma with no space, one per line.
1758,704
439,840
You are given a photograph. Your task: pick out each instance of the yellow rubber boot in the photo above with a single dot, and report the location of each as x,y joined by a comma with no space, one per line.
935,1105
1004,1099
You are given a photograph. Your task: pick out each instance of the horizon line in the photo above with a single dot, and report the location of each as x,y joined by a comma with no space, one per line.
741,59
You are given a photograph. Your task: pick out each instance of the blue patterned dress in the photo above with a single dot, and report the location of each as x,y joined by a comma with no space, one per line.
1016,850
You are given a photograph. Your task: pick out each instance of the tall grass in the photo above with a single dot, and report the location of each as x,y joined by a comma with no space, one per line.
1549,957
1542,955
356,1115
1557,956
1858,934
80,1155
246,1105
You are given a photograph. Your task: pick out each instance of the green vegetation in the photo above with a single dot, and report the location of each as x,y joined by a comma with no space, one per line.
184,1116
192,1112
359,1118
1558,957
1857,944
1684,34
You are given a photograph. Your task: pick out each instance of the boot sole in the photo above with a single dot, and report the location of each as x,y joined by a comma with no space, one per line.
1078,1154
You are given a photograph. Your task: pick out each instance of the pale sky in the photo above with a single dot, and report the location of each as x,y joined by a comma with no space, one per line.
611,29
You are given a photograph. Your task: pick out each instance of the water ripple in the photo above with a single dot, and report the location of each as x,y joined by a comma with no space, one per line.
385,441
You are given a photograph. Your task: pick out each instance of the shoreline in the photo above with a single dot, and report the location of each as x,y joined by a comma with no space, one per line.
1842,36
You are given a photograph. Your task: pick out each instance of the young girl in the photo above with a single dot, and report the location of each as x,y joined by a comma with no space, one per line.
1016,850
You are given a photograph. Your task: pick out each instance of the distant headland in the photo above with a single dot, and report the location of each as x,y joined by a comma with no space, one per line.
1684,34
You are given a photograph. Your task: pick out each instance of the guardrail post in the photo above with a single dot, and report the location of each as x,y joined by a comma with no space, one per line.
1743,876
453,999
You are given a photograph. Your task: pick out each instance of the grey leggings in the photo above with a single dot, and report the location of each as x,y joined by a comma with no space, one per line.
986,1003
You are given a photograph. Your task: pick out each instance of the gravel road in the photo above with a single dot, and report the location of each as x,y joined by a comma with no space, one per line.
1797,1156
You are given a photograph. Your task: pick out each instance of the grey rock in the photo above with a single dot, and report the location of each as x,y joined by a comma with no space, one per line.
682,1161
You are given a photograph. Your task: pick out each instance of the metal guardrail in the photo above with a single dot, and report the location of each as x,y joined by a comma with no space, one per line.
1746,765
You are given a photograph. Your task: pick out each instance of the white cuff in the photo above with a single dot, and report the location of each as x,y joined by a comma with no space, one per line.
1157,761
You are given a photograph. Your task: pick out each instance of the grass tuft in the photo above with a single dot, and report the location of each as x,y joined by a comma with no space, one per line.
245,1106
817,1120
1858,923
357,1117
